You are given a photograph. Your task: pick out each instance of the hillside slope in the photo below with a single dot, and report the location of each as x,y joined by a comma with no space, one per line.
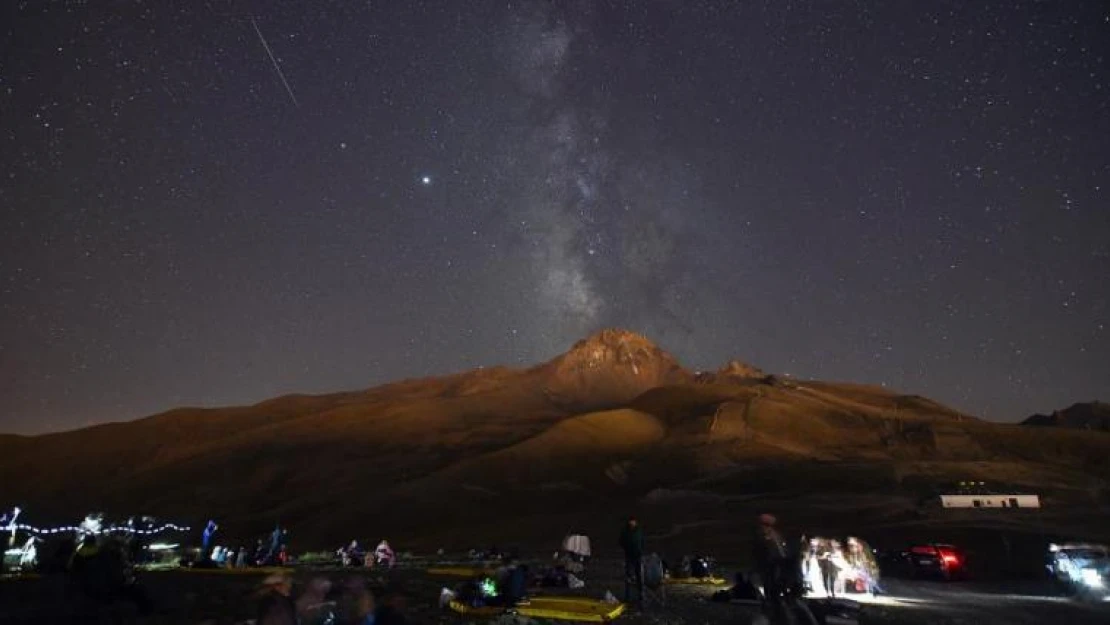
610,425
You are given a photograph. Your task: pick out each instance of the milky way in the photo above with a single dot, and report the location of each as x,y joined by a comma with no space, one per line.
894,193
595,214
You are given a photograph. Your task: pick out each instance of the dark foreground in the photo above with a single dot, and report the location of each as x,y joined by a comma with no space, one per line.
218,599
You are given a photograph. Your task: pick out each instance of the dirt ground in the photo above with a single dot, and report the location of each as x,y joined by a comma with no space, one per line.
226,599
1005,558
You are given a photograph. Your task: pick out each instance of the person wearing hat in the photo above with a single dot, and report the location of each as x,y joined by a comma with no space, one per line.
276,606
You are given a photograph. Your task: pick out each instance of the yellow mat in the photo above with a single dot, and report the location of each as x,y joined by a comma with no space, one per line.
581,609
698,581
470,610
571,609
461,571
18,577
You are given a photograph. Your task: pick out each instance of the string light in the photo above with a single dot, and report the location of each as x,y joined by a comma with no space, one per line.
110,530
90,526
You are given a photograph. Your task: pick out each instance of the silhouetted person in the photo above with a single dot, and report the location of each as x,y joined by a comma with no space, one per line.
105,575
357,604
137,547
259,553
632,543
275,544
276,607
56,567
60,560
828,568
769,553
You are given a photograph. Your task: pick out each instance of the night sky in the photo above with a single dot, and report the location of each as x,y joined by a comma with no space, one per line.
208,203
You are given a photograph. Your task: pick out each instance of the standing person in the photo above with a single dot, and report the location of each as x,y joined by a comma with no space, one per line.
828,568
632,543
206,537
840,566
275,544
105,575
769,553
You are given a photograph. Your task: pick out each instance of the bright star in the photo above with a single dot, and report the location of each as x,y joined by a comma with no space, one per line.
425,180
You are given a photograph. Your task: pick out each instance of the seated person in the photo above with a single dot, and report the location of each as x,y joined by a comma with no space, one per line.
552,577
742,590
511,581
384,554
701,567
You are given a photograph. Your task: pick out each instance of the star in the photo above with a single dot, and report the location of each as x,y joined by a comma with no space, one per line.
877,203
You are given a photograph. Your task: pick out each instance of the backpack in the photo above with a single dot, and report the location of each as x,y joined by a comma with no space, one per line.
653,571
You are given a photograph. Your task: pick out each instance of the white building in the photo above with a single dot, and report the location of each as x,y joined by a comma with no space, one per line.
975,500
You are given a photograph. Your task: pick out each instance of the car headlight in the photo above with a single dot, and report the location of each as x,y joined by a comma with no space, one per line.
1091,578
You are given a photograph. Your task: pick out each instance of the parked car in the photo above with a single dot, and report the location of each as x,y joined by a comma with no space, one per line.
936,560
1081,570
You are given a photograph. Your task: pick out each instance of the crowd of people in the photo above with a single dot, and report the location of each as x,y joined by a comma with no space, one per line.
101,566
96,570
268,551
354,555
785,582
829,569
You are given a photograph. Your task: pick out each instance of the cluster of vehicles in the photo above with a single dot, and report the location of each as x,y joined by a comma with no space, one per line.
1078,570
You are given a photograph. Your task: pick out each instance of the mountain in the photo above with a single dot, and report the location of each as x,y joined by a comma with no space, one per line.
1093,415
608,369
614,424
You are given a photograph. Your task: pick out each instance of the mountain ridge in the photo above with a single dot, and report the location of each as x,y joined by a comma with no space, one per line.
610,421
1093,415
